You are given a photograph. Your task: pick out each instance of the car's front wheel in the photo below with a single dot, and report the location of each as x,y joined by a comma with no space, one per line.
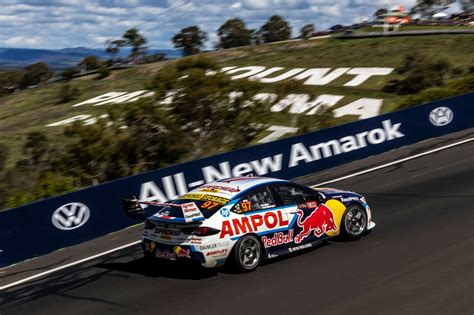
247,253
354,222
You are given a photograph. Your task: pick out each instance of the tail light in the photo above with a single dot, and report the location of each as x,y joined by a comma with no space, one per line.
149,225
200,231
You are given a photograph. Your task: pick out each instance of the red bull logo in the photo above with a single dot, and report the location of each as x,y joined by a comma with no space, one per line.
181,252
278,239
320,221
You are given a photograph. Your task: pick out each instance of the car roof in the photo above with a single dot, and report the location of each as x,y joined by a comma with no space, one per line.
231,187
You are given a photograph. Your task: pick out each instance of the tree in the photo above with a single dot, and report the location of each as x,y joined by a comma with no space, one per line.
276,29
9,80
307,31
204,108
380,12
90,63
233,33
35,147
420,73
69,73
114,47
429,7
136,41
256,37
35,73
190,39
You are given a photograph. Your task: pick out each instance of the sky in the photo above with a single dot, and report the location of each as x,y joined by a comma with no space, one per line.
54,24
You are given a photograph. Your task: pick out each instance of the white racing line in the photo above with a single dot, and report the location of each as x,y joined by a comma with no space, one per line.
50,271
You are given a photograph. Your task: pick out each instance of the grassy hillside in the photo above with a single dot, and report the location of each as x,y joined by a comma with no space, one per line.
32,109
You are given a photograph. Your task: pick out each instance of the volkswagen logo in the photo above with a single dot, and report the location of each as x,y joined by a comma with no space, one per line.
70,216
441,116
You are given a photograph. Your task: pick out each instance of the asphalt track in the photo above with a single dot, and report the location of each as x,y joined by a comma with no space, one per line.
418,260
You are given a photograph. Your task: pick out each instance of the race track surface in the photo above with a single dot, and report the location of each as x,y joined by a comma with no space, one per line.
418,260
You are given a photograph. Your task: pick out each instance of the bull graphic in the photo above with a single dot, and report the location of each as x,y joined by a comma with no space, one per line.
320,221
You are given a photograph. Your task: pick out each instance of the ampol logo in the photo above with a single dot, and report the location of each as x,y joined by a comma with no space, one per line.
70,216
441,116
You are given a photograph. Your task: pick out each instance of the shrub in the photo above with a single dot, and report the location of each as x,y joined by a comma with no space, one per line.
67,93
102,73
453,88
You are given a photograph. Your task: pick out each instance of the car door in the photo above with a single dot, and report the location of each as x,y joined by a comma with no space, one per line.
300,203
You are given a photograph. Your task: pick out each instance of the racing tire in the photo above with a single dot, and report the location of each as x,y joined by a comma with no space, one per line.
354,222
247,253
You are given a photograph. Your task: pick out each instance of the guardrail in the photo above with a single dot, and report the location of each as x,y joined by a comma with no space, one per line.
54,223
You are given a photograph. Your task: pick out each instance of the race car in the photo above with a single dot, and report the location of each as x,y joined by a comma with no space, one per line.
244,220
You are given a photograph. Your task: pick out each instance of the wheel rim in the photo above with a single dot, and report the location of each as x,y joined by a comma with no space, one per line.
355,221
249,253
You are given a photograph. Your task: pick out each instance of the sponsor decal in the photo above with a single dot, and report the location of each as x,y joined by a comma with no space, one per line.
320,221
214,245
165,231
299,152
245,205
349,199
165,254
150,246
219,200
181,252
176,184
279,238
217,252
191,211
299,247
441,116
217,188
70,216
225,212
253,223
195,241
270,255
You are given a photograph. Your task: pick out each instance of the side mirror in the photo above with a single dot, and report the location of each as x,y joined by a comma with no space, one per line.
132,208
321,198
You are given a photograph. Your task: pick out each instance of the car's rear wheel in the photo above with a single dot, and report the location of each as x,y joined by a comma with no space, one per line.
354,222
247,253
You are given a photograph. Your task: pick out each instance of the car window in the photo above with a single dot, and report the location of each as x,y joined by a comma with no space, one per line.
259,199
291,195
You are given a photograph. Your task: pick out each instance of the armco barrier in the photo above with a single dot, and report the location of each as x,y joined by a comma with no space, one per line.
50,224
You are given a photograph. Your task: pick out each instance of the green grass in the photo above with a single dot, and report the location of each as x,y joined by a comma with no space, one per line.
32,109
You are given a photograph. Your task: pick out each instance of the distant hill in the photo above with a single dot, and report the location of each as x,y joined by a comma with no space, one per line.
62,58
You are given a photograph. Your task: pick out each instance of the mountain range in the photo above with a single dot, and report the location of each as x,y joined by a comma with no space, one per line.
63,58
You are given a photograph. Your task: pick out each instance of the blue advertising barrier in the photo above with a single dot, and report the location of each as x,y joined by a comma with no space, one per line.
73,218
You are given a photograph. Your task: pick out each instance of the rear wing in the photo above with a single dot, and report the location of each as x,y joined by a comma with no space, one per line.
133,209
